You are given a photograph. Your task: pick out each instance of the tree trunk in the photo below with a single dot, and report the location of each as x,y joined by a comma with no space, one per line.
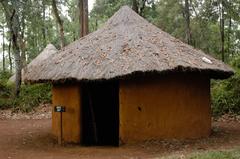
138,6
17,58
3,47
96,24
22,45
187,17
80,8
229,35
83,17
59,21
142,7
9,54
43,27
16,50
135,6
222,29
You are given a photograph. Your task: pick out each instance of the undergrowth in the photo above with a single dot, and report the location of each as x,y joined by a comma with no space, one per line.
226,93
30,95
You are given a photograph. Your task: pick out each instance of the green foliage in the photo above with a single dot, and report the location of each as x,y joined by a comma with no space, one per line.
5,90
30,95
226,94
170,18
4,76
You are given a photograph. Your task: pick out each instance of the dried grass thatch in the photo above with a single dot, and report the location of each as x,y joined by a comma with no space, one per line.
37,62
126,44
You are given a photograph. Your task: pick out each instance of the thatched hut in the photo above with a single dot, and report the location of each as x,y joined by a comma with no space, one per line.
130,81
47,52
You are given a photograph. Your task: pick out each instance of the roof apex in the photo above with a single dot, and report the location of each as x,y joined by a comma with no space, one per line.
125,15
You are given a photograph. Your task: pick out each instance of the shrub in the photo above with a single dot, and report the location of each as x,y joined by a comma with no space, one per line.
31,96
226,94
4,76
5,90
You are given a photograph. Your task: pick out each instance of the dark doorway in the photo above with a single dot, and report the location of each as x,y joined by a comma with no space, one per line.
100,113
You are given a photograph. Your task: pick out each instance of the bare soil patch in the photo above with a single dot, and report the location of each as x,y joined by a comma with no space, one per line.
30,138
41,112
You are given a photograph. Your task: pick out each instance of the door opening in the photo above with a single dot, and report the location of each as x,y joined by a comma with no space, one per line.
100,113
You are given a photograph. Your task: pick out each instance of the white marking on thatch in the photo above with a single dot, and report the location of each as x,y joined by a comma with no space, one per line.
206,60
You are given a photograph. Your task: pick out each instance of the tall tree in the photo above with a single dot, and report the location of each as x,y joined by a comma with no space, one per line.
187,18
12,18
221,12
44,27
21,39
59,21
3,49
135,6
83,17
139,5
229,34
232,16
9,55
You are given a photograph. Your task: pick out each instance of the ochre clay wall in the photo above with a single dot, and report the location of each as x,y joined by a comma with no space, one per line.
172,106
67,95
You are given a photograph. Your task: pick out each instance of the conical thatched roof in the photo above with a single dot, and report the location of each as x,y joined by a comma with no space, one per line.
126,44
46,54
37,62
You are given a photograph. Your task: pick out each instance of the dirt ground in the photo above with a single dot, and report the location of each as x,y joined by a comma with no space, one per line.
28,138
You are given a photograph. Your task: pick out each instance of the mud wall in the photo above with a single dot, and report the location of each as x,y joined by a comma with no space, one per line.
67,95
173,106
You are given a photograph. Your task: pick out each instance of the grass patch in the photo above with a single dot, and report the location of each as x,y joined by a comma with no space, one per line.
232,154
224,154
